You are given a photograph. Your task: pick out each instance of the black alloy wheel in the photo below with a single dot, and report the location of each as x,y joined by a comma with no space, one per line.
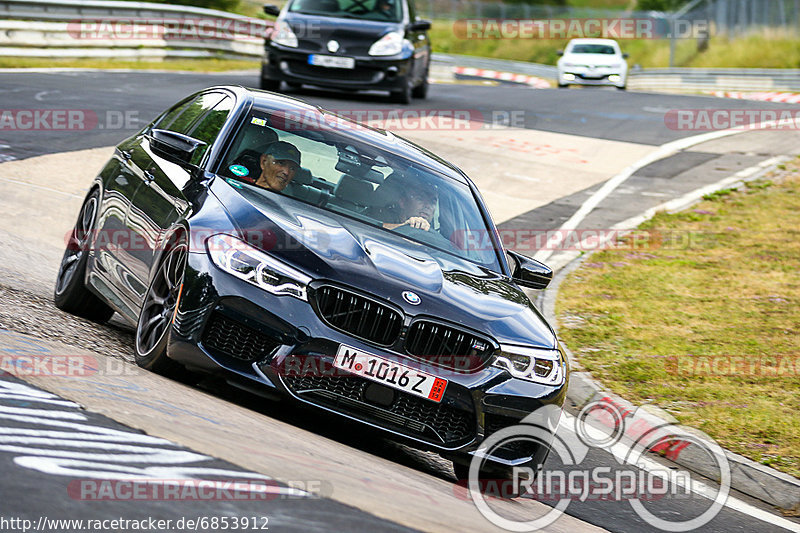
158,310
71,294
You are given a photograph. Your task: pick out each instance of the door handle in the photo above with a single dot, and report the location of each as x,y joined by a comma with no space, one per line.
148,176
126,155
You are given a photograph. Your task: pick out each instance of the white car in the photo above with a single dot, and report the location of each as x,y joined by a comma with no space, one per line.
593,62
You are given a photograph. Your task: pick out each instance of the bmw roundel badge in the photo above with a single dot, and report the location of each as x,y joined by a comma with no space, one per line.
411,298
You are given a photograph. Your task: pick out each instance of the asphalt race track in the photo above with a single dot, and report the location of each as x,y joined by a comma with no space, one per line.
147,426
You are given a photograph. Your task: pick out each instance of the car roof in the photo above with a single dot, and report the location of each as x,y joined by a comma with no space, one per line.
592,41
381,140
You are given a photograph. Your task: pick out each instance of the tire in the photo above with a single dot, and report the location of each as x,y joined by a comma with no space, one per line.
403,96
158,310
563,85
421,90
622,88
70,293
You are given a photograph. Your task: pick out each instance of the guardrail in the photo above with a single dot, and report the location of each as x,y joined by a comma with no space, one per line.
670,79
67,28
107,28
715,79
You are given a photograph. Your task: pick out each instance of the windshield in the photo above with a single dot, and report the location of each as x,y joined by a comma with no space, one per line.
312,162
593,49
381,10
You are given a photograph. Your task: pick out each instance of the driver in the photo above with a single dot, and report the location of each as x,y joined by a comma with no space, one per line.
414,205
384,7
279,164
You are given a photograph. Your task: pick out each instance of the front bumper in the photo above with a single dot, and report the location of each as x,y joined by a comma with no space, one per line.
226,326
370,73
586,76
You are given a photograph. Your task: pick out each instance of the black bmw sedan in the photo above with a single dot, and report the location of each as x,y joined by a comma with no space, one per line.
350,45
300,254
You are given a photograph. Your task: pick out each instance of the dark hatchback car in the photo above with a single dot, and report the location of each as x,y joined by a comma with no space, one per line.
349,44
315,292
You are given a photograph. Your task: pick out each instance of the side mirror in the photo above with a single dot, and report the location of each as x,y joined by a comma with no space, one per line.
529,272
419,25
560,52
272,9
174,147
625,56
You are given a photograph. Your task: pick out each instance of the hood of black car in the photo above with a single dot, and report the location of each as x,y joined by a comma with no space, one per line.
348,252
354,36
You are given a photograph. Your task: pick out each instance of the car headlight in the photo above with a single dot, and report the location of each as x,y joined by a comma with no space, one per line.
532,364
239,259
388,45
282,34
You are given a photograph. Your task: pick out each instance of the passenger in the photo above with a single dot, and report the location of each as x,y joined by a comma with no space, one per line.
279,164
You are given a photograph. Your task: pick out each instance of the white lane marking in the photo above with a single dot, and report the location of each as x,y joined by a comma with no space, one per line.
563,258
22,411
17,182
39,97
62,403
692,196
127,437
656,109
100,457
608,187
620,451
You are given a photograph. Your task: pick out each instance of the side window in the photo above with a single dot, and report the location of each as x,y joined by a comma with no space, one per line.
182,120
169,117
208,127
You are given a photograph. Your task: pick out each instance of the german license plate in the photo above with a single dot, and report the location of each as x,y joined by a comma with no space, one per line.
331,61
389,373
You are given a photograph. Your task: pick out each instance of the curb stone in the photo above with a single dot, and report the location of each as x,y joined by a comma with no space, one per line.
747,476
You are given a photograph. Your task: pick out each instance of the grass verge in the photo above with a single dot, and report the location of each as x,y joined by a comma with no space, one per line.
194,65
685,325
767,50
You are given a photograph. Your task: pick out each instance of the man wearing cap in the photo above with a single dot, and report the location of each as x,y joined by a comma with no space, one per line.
279,163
